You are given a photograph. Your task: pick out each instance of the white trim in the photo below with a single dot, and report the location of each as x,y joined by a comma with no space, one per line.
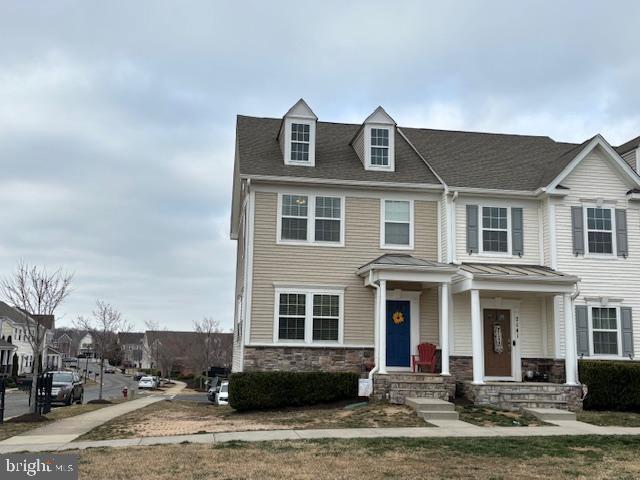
390,167
553,249
414,312
419,187
248,292
614,245
590,306
514,313
311,221
309,292
439,230
348,191
383,222
638,161
598,140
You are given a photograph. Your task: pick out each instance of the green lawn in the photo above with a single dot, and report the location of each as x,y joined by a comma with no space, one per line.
587,457
617,419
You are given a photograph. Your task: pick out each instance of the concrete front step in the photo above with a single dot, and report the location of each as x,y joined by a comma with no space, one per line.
550,414
429,404
432,409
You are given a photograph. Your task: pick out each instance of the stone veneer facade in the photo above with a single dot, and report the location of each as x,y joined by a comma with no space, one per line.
514,396
305,359
462,368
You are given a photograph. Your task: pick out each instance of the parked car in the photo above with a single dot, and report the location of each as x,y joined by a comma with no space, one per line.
66,388
137,376
222,396
109,369
147,382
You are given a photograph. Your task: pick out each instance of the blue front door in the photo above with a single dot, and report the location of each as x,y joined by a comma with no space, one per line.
398,333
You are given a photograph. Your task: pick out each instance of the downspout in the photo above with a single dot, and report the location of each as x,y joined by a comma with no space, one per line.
451,227
376,321
573,298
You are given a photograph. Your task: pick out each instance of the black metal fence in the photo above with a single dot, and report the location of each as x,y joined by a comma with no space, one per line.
44,384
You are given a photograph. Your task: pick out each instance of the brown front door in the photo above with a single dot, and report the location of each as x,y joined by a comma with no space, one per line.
497,343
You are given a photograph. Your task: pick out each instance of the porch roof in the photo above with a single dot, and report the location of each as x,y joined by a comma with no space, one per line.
4,345
494,276
405,267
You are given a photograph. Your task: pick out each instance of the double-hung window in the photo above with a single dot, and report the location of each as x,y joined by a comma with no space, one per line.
308,316
604,322
599,230
317,219
397,224
495,229
300,140
380,146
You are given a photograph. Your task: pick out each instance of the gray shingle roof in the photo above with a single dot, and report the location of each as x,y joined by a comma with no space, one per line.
4,345
488,160
628,146
461,159
260,154
130,338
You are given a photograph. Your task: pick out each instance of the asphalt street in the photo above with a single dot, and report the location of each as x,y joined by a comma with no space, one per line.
17,402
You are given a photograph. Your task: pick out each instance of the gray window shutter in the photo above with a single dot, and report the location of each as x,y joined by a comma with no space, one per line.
582,330
577,227
517,233
472,229
621,233
626,322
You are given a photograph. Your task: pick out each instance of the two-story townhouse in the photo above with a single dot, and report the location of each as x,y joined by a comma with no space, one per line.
131,344
356,243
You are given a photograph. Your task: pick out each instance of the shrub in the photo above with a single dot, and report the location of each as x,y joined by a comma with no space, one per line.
263,390
613,385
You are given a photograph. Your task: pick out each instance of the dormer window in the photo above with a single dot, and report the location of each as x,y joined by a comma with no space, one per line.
297,136
300,134
380,146
374,142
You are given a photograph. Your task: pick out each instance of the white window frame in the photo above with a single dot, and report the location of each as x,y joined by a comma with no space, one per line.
383,221
309,292
614,246
391,149
590,307
481,229
311,220
287,142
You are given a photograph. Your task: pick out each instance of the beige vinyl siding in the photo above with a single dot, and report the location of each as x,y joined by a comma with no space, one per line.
530,224
611,277
318,265
429,317
546,233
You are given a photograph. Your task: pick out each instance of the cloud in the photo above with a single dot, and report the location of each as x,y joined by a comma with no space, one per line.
117,120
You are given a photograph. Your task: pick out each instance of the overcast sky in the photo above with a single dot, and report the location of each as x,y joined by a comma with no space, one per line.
117,119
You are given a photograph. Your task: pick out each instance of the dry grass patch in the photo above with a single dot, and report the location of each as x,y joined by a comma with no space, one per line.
181,417
12,428
493,417
531,458
610,419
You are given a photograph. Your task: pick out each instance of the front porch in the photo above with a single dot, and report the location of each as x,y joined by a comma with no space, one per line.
493,325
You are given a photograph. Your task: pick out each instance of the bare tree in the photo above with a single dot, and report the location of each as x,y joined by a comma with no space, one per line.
208,348
33,291
104,325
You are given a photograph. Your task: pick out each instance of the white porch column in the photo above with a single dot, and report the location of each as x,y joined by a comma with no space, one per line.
382,337
444,327
476,338
570,355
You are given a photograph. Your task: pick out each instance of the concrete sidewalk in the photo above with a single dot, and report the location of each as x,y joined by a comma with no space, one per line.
63,431
444,428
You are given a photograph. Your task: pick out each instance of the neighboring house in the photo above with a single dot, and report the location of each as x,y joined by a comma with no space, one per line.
132,348
515,255
86,347
13,327
182,351
64,344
